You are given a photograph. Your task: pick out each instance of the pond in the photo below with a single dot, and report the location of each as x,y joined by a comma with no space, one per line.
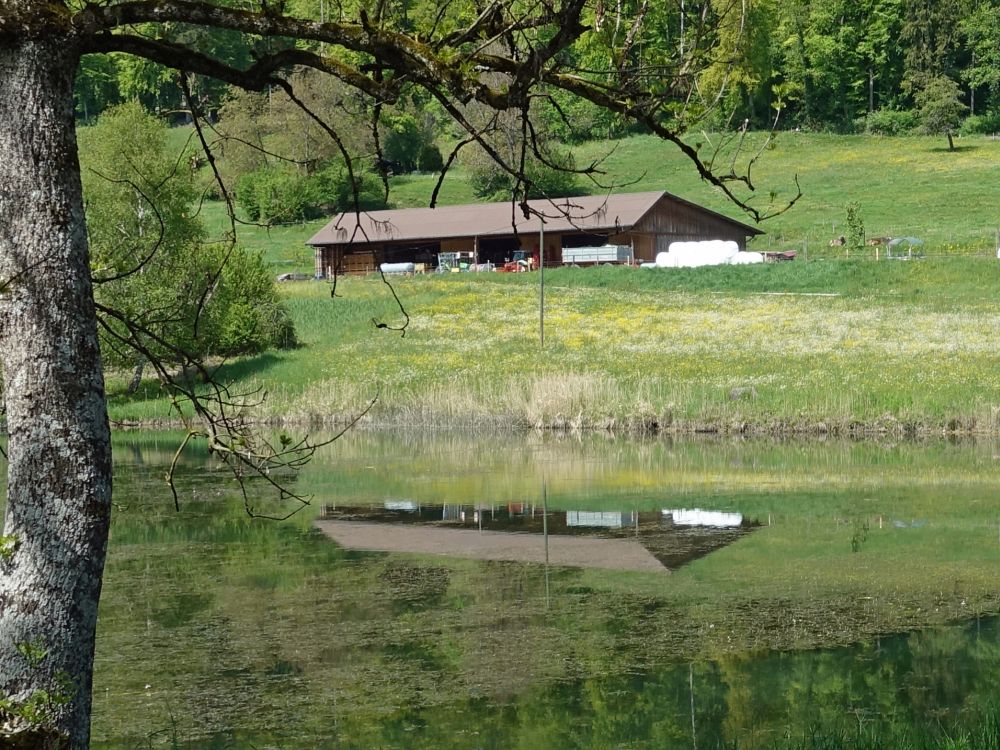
529,591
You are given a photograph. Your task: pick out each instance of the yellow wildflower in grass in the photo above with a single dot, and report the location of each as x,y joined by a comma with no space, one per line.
644,355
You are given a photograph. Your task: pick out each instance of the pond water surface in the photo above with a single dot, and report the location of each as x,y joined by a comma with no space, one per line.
512,591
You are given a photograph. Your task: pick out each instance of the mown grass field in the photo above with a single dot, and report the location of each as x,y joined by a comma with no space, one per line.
841,346
905,186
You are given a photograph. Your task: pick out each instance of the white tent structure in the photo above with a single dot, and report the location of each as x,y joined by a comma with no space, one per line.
904,248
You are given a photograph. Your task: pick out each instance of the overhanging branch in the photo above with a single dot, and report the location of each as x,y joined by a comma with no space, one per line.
255,78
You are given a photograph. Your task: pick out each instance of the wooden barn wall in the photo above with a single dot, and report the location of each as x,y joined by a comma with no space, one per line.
358,261
643,246
553,246
460,245
676,222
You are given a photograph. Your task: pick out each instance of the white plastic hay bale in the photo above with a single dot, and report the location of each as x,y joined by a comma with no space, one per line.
665,260
695,254
744,259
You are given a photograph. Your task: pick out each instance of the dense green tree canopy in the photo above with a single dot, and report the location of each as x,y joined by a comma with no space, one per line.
151,261
940,107
824,63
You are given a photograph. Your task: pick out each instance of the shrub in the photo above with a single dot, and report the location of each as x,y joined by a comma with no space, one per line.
430,159
985,124
283,195
404,141
491,182
250,316
889,122
277,194
334,186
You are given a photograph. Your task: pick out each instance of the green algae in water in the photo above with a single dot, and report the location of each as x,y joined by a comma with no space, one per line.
221,631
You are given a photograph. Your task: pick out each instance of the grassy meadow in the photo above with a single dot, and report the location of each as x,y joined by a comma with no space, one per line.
828,343
838,346
905,186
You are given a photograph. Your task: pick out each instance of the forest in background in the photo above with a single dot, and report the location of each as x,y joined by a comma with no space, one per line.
885,67
827,65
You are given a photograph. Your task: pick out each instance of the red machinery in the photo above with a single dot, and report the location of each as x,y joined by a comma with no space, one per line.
519,264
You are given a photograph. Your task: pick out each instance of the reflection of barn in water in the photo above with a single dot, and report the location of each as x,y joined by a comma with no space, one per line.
673,537
687,534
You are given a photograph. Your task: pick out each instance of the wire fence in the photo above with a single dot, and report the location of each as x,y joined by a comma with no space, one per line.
933,242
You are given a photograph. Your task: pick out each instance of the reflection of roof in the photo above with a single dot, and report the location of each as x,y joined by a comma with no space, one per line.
589,213
578,551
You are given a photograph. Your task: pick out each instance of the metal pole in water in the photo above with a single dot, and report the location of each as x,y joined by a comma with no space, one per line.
545,534
545,521
694,734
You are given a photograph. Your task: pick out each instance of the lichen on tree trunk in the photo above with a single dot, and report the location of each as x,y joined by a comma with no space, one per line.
59,469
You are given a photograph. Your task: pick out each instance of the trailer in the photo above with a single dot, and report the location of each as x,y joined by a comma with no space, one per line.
579,256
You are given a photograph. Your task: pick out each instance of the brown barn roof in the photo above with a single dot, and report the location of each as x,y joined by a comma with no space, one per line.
589,213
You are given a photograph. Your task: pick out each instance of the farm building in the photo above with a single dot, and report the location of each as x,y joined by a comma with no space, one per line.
485,233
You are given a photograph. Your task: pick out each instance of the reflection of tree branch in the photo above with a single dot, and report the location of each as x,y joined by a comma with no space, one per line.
224,421
172,471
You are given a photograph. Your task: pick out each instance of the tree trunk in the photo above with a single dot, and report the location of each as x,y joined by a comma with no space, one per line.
59,472
136,381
